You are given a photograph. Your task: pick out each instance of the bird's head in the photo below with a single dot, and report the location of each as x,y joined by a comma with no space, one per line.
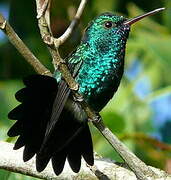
105,27
109,29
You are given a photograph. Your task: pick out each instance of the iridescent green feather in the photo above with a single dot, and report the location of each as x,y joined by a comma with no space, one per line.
102,54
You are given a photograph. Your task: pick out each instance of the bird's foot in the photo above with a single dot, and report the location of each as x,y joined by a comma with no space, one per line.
97,118
78,98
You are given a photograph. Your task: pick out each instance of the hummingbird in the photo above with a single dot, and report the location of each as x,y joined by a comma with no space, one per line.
49,122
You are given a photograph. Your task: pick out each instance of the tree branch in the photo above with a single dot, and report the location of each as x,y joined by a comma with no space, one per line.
73,23
103,169
22,48
136,165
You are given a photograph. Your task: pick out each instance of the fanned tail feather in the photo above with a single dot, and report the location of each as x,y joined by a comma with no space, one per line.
33,113
70,139
79,146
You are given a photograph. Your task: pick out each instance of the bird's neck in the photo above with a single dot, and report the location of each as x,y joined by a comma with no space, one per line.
106,57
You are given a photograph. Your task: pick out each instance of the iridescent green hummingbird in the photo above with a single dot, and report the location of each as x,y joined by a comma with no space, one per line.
50,123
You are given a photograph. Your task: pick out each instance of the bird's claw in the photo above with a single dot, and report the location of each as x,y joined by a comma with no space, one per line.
95,119
78,98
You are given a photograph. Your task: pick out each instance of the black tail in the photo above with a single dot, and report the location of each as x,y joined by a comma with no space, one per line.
81,145
70,139
33,113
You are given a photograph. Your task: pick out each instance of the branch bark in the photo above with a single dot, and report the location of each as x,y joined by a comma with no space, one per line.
73,23
22,48
103,169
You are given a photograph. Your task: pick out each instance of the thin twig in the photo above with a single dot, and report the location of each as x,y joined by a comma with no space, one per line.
41,7
22,48
47,15
73,23
49,41
136,165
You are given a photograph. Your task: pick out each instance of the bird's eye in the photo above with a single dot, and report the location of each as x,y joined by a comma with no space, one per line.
108,24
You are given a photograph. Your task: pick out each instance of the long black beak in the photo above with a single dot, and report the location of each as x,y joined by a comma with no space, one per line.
133,20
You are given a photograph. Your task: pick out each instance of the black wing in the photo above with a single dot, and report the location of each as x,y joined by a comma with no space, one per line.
64,135
60,100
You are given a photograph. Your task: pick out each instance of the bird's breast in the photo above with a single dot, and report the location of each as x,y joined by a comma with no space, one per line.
99,81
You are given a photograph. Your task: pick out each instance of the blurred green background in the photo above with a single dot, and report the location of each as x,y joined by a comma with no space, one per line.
139,114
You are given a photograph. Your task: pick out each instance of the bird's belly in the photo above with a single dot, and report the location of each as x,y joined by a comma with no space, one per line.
98,85
98,94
